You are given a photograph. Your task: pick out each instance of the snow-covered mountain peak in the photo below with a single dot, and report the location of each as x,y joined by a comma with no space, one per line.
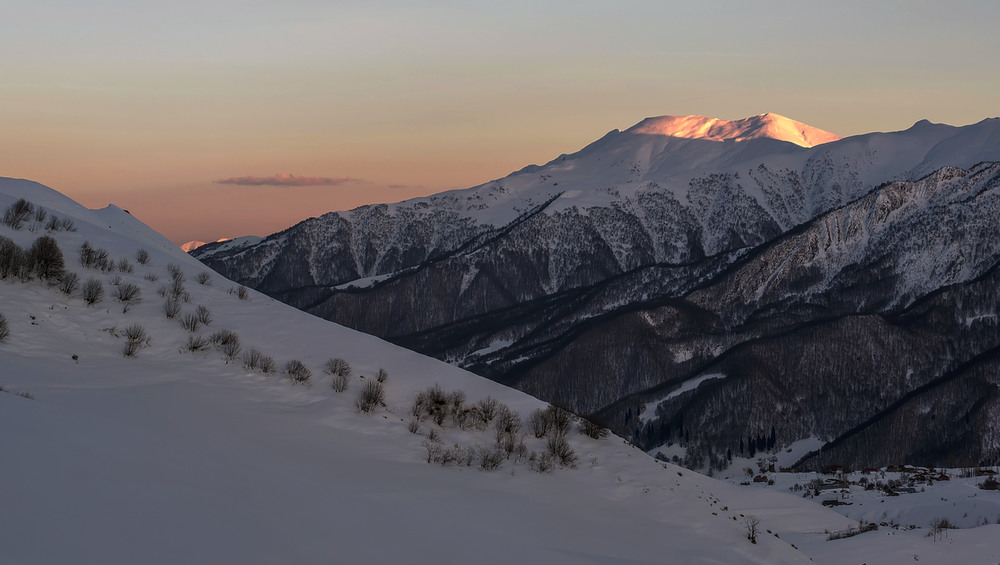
769,125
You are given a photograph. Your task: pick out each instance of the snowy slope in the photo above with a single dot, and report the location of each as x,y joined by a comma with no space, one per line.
175,456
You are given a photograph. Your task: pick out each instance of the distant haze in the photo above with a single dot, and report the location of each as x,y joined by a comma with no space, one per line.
212,119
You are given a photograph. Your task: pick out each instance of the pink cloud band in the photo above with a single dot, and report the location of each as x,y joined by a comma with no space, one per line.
287,180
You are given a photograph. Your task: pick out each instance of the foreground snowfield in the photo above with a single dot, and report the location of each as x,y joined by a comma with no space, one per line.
179,457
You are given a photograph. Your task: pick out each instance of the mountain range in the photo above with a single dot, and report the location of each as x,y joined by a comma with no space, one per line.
708,289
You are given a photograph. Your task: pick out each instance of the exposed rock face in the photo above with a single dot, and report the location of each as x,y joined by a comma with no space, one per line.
730,296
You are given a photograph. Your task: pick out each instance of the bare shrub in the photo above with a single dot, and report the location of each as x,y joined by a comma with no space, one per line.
171,307
69,283
41,215
436,404
382,375
177,288
128,294
339,382
18,213
268,366
541,463
224,336
457,400
97,259
176,274
153,277
471,418
255,360
228,342
507,425
93,291
520,452
372,395
4,328
488,408
939,528
561,420
337,367
204,278
413,426
204,316
135,332
433,447
490,459
135,339
124,266
451,455
560,449
188,321
230,350
67,224
539,423
87,254
752,524
197,343
45,258
142,256
53,224
297,371
593,429
242,293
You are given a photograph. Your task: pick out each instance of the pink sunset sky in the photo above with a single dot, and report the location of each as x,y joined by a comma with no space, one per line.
219,118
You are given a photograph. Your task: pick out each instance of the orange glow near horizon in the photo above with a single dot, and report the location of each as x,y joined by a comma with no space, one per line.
147,108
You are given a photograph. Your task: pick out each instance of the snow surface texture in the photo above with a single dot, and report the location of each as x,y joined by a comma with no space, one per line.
180,457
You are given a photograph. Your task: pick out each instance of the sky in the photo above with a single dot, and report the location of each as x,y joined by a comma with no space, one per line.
219,118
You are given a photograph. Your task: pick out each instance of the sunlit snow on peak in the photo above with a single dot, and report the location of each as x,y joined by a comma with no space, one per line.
772,126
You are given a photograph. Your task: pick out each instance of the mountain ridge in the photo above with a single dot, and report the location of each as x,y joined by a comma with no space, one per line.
640,235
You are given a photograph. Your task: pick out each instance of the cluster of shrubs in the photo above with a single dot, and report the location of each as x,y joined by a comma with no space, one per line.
27,395
340,371
22,212
127,293
135,339
227,342
241,292
255,360
96,258
43,260
443,408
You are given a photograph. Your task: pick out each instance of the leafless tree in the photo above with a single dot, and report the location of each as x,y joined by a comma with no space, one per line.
752,524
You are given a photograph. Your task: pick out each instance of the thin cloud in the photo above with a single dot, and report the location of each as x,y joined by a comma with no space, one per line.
287,180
